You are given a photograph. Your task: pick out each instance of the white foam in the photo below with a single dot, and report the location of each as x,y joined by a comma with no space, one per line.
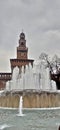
2,127
51,108
20,115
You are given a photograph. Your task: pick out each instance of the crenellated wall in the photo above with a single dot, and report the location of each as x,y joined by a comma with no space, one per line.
31,99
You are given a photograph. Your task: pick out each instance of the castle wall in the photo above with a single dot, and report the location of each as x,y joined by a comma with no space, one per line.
31,99
4,77
2,84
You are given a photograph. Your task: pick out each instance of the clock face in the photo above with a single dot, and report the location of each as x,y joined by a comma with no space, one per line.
22,54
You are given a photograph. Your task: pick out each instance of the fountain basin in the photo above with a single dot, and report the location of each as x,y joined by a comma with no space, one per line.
31,99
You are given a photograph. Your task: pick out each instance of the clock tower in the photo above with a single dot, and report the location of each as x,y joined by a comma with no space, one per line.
22,55
22,50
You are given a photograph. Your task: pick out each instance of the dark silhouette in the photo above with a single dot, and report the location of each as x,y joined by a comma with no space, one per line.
59,128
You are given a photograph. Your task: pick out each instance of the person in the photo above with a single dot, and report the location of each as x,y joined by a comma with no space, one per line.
59,128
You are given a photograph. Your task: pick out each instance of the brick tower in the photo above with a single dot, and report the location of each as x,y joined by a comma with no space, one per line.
22,55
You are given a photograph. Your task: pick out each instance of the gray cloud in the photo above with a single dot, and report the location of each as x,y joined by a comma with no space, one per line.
40,20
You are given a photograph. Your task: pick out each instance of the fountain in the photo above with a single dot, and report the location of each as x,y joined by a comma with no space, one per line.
20,107
35,85
35,78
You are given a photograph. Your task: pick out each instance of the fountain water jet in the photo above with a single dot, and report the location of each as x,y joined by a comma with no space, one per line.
20,107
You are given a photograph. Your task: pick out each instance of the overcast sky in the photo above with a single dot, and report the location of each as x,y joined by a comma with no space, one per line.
40,20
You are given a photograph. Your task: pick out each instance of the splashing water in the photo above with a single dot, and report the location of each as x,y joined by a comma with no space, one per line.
4,126
37,77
